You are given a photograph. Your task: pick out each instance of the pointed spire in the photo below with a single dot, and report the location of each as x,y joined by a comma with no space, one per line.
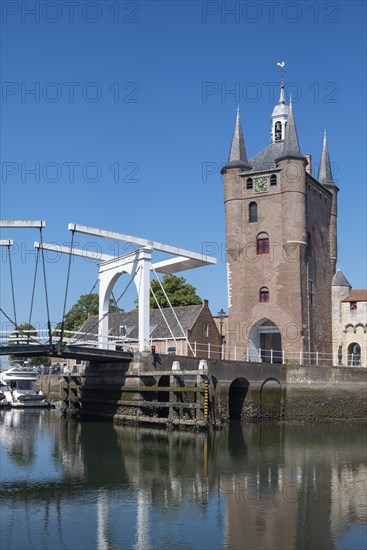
325,175
291,143
282,96
237,155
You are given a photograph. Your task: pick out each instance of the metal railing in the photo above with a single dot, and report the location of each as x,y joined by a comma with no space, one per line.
181,348
272,356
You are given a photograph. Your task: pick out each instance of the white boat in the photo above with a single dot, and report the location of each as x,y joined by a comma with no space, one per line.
4,388
20,390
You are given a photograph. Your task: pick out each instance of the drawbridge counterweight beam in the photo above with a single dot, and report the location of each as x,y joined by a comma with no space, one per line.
140,242
22,224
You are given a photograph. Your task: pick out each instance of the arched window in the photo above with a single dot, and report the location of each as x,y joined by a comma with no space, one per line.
278,131
263,243
273,179
252,212
264,294
354,354
249,183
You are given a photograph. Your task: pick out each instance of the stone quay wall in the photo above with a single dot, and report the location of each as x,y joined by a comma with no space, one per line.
244,391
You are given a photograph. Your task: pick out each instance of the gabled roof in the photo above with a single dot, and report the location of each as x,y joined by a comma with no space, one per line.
357,295
187,315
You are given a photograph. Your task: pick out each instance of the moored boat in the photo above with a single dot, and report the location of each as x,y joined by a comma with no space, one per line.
3,399
18,388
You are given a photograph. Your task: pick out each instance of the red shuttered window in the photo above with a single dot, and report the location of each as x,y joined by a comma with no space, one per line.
263,245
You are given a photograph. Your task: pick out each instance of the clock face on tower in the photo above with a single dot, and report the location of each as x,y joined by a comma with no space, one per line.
261,184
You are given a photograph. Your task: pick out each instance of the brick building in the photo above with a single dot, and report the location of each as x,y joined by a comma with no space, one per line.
281,244
171,330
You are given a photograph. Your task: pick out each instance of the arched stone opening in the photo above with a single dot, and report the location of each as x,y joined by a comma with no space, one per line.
271,398
236,398
354,354
265,342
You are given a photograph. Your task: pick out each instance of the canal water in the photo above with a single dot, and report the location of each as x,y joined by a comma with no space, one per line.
85,485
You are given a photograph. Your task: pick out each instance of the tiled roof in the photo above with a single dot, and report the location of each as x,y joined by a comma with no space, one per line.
265,160
187,315
339,279
357,295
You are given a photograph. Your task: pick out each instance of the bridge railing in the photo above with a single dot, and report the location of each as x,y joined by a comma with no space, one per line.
29,337
181,348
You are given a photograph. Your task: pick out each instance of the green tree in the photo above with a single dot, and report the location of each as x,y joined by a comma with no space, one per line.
21,336
78,314
179,292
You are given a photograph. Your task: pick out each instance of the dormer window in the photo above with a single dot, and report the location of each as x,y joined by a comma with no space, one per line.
278,131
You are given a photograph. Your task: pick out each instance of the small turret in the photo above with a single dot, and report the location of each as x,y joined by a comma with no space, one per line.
340,280
340,289
279,117
325,177
237,155
291,144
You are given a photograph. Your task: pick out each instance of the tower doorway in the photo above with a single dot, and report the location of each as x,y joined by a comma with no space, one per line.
265,342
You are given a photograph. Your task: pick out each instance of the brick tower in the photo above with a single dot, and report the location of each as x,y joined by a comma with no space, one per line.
281,246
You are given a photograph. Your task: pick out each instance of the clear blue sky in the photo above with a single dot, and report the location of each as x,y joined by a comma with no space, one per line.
146,86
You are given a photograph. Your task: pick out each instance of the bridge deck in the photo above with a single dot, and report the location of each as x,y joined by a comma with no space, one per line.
67,352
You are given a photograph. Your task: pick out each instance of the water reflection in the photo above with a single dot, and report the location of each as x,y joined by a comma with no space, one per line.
92,484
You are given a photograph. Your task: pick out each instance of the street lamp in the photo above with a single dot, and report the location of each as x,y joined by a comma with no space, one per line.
221,314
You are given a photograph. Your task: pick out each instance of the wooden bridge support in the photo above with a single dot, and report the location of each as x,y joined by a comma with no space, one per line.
184,401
